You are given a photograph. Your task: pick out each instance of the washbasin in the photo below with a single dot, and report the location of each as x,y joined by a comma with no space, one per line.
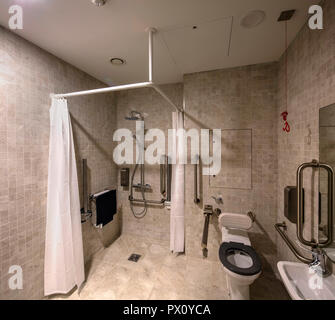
302,283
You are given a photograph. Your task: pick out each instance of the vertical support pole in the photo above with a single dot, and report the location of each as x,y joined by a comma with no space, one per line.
151,53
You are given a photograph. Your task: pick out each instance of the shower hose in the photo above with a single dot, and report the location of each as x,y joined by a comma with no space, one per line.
141,214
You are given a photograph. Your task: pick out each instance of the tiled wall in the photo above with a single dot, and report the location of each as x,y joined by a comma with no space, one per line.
156,224
311,86
27,76
327,155
239,98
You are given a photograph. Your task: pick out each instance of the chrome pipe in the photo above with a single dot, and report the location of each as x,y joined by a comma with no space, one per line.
147,201
330,226
196,199
142,174
162,174
205,236
300,219
85,192
298,255
168,168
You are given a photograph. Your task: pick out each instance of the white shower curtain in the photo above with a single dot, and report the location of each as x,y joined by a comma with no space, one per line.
177,228
64,259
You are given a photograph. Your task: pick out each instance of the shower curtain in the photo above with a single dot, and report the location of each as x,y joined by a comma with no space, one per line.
64,259
177,228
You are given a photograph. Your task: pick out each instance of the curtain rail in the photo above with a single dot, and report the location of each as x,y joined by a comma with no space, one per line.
149,84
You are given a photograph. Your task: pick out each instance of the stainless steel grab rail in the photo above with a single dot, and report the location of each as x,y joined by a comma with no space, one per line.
157,202
85,192
168,169
205,236
279,227
163,175
208,212
196,199
300,218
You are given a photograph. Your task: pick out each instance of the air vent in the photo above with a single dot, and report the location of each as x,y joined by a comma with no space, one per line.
286,15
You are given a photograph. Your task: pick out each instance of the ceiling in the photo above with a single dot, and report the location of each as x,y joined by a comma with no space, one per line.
87,36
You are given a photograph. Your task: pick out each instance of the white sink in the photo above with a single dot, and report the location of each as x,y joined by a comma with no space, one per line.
302,283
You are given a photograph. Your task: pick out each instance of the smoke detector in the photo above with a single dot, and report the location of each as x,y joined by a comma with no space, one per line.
253,19
99,3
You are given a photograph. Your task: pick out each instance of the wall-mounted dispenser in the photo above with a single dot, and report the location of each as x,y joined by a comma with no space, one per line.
290,203
124,177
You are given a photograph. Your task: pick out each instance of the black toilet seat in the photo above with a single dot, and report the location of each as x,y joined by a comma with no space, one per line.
227,247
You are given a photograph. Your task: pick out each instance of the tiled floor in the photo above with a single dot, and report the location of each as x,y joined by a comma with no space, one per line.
157,275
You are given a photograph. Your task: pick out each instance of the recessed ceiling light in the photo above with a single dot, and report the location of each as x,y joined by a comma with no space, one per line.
253,19
99,3
117,61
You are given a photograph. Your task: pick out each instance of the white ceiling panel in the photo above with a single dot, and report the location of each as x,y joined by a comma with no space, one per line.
87,36
186,45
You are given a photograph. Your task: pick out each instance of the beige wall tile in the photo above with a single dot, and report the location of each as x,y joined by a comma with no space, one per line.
24,142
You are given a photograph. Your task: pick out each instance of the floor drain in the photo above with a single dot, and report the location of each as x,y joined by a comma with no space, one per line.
134,257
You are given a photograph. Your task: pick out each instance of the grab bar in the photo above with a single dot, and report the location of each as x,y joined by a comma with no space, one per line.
196,199
168,168
93,197
289,243
163,176
147,201
300,218
208,211
85,208
205,236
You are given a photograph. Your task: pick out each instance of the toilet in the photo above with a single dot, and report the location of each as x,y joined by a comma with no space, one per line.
240,261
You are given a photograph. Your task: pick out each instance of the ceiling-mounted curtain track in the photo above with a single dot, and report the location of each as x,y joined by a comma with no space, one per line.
149,84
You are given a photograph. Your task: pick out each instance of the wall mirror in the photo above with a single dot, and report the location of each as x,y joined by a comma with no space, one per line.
327,155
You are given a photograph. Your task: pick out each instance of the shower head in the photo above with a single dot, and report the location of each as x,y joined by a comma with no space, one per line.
135,116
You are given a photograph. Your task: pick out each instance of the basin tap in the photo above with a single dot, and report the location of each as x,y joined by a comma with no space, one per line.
319,262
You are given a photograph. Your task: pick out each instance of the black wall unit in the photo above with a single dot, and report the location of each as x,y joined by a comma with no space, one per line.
124,177
290,203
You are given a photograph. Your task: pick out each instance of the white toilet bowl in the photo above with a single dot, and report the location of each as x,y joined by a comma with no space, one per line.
240,261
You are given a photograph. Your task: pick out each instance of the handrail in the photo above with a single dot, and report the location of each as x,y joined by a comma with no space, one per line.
162,173
196,199
168,170
290,244
330,225
300,218
85,192
158,202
